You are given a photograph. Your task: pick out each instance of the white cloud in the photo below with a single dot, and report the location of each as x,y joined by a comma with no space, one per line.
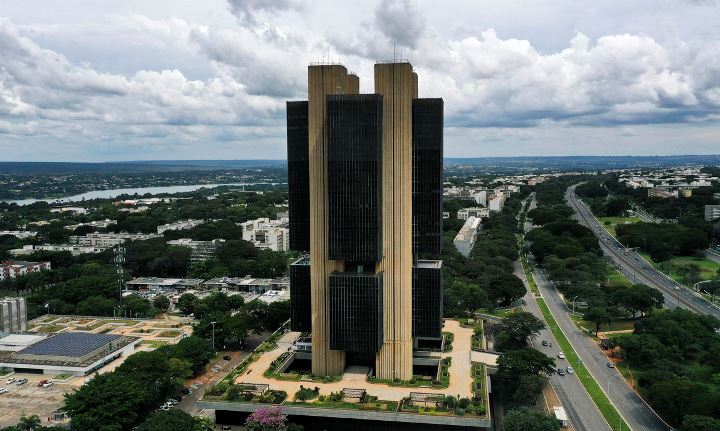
176,77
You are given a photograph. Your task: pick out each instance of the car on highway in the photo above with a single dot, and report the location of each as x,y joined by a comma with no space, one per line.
544,342
560,372
610,365
561,355
227,357
570,370
21,382
10,380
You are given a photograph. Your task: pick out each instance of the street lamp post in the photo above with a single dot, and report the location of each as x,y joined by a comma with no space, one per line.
573,302
213,333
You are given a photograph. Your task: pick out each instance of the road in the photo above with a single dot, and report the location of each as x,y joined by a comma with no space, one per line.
635,268
636,413
581,410
209,378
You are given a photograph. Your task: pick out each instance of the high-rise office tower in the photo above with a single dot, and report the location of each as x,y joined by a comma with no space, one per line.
365,197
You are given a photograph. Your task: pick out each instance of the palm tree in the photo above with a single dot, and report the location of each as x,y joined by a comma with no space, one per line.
30,423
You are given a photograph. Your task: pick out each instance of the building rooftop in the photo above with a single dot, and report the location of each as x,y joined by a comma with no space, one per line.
69,344
20,339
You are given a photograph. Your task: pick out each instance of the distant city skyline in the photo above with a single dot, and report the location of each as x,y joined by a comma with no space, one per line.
133,80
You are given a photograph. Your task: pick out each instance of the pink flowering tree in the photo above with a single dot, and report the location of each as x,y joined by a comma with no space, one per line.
266,419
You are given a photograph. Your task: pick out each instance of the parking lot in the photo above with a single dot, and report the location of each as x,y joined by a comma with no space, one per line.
29,399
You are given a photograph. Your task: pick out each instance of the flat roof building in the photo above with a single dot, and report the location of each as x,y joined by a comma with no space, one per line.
465,239
17,268
77,353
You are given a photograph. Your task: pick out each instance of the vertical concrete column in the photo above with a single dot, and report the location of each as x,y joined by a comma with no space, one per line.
397,83
323,80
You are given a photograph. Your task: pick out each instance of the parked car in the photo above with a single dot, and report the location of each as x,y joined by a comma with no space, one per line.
570,370
561,355
3,390
10,380
21,382
544,342
560,371
610,365
184,391
227,357
47,384
41,383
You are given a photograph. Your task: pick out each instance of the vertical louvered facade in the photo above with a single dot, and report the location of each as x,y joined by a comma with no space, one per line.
300,318
427,123
373,183
298,175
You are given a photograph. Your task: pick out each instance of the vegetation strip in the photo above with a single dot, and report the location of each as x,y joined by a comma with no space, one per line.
601,400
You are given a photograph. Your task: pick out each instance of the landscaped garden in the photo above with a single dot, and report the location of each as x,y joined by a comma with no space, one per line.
419,381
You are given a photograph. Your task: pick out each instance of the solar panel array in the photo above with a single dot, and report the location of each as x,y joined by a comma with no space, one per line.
74,344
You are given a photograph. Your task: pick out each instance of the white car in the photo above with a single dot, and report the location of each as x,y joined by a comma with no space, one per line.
570,370
47,384
3,390
10,380
561,355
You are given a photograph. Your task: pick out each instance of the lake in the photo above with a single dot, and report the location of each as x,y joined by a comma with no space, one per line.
112,193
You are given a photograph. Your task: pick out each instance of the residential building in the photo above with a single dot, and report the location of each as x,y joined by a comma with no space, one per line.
481,197
13,315
465,239
466,213
712,212
497,202
662,193
200,250
106,240
98,224
180,225
365,198
75,250
20,234
266,233
716,196
74,210
16,268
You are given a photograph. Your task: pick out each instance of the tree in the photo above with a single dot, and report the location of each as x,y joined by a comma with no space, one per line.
700,423
170,420
266,419
517,329
162,303
29,423
525,419
180,368
597,315
522,374
187,302
675,398
194,349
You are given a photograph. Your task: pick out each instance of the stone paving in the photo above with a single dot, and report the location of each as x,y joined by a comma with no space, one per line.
354,377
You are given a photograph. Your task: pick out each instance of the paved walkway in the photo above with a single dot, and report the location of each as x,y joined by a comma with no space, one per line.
354,377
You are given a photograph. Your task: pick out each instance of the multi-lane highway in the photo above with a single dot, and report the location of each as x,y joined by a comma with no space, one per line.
581,410
635,268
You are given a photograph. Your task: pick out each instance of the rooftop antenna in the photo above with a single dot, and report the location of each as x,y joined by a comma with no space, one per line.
394,58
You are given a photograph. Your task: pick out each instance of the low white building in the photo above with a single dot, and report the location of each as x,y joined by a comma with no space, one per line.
496,203
465,239
75,250
180,225
17,268
20,234
100,224
200,250
266,233
105,240
466,213
712,212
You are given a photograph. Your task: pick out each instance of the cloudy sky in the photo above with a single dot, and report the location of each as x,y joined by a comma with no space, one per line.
85,80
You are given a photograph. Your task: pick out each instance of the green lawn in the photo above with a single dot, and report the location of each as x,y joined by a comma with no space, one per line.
614,221
674,267
618,280
608,411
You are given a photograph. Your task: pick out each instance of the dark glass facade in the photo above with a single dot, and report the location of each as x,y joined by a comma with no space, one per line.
427,299
427,186
298,175
300,317
354,177
356,312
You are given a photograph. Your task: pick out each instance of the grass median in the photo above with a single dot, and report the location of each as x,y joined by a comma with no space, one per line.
602,402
